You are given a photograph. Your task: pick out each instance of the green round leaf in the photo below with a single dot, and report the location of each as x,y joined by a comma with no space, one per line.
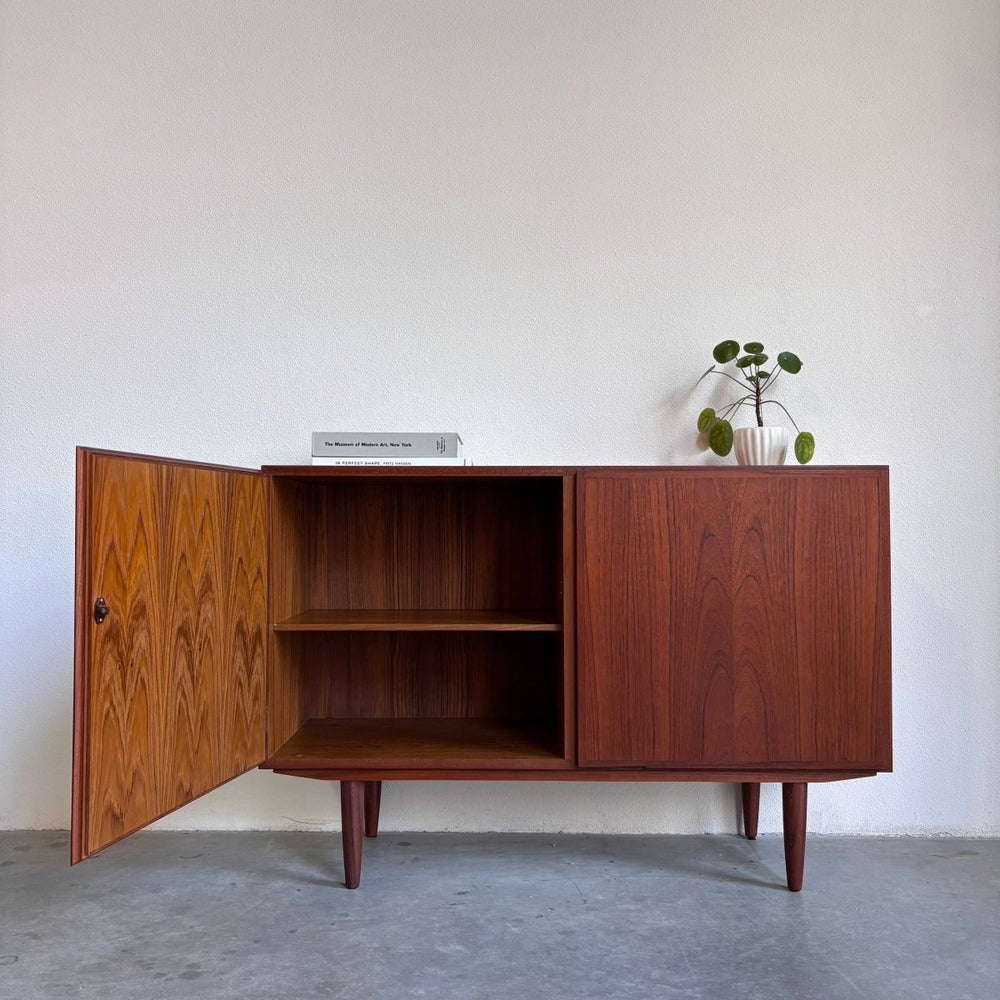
759,359
705,419
753,348
764,376
720,437
805,447
789,362
726,351
745,362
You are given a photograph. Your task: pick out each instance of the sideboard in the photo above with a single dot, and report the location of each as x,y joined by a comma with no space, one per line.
476,623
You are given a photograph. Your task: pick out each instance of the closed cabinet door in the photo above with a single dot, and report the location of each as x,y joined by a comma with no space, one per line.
171,598
734,618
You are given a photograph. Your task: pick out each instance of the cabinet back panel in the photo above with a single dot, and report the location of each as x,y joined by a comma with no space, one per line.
492,544
359,675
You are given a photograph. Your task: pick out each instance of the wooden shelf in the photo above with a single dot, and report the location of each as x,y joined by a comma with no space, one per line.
419,620
478,743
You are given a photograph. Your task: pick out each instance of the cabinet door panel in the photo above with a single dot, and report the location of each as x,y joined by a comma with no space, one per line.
170,686
734,617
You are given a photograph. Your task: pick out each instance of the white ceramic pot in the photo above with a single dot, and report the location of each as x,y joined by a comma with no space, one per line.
760,445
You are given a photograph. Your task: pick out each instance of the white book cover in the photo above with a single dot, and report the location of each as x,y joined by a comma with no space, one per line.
392,444
360,463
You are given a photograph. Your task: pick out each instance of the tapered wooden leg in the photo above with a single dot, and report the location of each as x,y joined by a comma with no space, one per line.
793,812
751,808
373,799
352,808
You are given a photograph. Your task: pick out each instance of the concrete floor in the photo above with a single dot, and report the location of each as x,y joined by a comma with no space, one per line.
477,917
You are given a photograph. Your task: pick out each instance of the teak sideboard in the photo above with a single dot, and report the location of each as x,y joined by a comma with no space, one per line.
545,624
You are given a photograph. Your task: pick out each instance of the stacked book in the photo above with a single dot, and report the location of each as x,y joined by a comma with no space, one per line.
382,448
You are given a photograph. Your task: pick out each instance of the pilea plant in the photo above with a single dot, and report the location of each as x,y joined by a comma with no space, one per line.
754,381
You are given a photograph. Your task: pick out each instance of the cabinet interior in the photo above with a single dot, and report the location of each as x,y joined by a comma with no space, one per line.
417,620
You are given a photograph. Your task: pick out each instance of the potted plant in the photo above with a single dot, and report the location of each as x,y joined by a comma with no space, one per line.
757,445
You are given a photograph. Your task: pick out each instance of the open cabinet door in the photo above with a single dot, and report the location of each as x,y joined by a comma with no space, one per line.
171,593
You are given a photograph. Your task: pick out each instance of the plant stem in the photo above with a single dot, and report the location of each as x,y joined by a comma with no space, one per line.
787,414
716,371
770,378
733,407
757,391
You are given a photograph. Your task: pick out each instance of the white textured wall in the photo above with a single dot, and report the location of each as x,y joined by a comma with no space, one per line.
226,224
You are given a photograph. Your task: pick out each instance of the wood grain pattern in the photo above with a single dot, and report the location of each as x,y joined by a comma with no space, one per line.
428,743
735,617
430,675
418,545
174,678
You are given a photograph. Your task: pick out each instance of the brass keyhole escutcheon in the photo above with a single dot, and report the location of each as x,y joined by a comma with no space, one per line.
101,610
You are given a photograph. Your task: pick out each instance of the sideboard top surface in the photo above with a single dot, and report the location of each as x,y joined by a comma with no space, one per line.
333,471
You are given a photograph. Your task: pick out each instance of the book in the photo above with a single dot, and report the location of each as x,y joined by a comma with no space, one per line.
379,444
386,462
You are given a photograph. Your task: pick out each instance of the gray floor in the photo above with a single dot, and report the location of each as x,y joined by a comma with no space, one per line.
245,915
